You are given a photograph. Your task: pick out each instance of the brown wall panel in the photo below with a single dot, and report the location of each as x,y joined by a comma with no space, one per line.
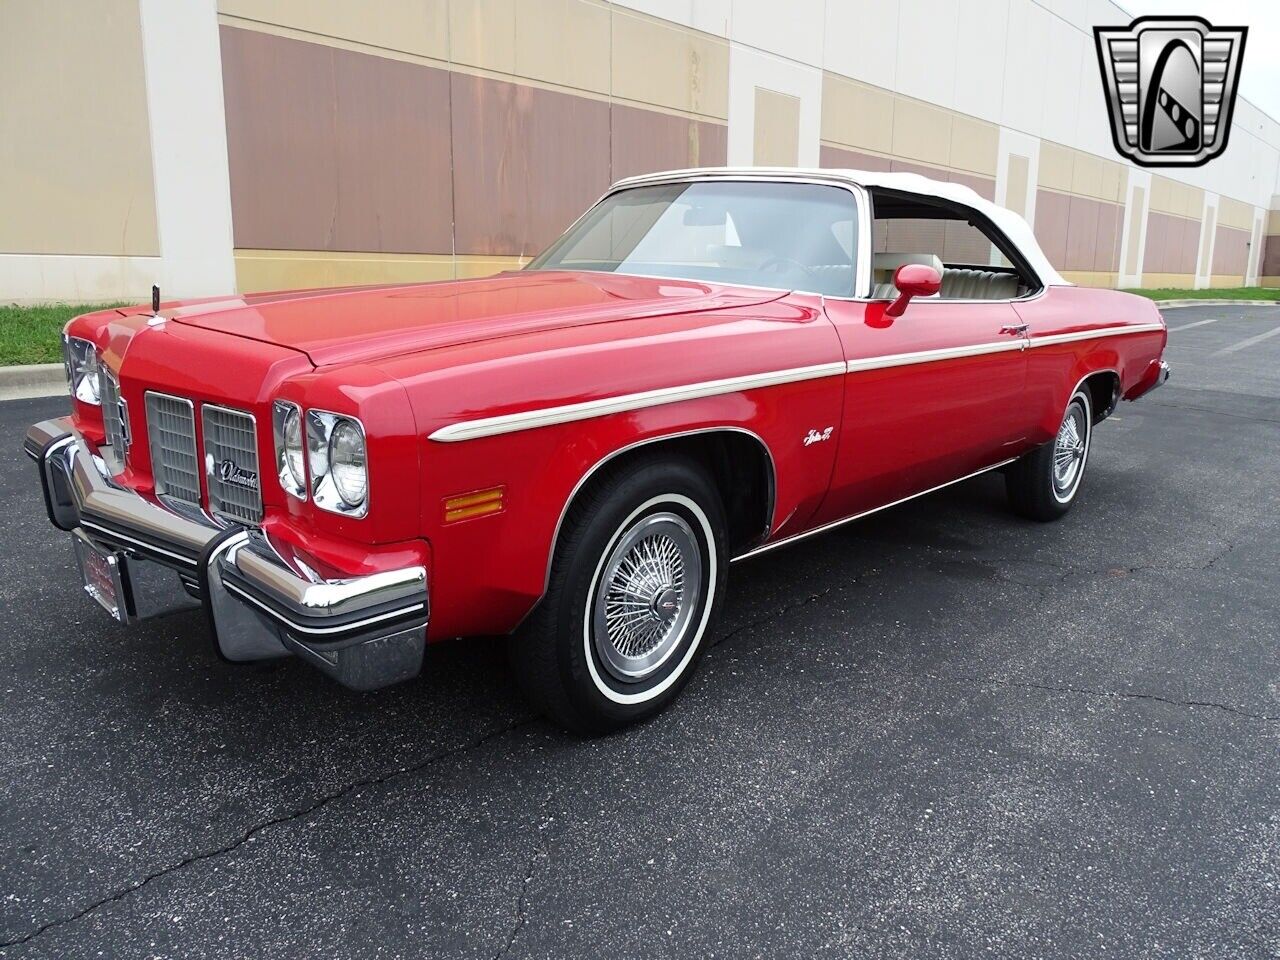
1230,251
1106,254
1052,216
838,158
335,150
529,162
1164,232
642,141
1271,256
1082,233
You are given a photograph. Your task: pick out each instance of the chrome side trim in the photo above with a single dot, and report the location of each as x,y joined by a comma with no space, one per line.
931,356
571,412
766,547
1092,334
978,349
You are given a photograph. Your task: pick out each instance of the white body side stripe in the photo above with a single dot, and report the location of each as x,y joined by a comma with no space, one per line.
571,412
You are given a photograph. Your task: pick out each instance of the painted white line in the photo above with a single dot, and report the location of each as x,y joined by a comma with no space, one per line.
1198,323
1245,344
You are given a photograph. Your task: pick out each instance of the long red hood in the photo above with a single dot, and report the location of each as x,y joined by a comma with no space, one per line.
369,323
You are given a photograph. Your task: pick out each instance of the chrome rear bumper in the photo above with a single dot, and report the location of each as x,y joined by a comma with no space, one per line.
365,632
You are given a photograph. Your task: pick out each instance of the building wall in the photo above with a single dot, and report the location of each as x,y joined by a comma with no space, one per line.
261,144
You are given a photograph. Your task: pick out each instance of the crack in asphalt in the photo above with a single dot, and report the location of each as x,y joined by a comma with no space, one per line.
258,828
540,852
1216,413
777,615
1112,694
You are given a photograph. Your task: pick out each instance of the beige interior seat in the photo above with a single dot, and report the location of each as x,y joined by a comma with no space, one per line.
969,283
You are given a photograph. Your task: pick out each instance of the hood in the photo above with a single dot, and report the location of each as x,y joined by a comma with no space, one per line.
362,324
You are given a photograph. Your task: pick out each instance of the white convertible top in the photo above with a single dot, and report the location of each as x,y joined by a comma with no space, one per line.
1012,225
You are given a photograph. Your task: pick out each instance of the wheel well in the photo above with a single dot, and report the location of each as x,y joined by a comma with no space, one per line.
1104,393
739,465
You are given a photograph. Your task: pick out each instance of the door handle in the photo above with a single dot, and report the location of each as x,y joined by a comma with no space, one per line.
1014,328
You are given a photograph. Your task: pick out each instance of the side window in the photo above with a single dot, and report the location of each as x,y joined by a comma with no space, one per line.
907,228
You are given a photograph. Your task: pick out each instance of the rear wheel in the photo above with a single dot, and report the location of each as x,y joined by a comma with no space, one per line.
1044,483
637,578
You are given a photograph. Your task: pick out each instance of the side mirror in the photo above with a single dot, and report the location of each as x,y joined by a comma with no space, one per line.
913,280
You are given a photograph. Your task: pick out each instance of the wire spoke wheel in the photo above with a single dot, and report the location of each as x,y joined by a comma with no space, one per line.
647,595
1069,451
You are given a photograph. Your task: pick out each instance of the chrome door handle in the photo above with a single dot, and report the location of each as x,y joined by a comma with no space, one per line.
1014,328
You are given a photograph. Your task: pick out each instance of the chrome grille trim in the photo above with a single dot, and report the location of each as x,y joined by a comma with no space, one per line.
231,463
115,422
171,435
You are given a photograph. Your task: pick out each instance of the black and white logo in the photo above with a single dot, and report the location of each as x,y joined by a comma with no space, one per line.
1170,84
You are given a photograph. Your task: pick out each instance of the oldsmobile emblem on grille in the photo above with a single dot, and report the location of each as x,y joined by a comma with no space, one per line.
230,472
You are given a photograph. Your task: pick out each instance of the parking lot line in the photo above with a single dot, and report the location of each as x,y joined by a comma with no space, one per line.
1198,323
1243,344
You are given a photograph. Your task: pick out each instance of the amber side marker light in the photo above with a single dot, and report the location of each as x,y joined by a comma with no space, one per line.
478,503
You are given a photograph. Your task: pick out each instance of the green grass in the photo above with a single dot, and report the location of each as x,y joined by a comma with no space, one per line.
33,334
1225,293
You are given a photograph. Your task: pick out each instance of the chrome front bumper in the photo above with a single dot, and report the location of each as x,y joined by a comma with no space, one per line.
365,632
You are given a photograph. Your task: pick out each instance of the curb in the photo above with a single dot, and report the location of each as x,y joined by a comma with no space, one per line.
32,380
1167,304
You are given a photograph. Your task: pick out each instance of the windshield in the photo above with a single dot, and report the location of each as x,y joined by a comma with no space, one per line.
788,236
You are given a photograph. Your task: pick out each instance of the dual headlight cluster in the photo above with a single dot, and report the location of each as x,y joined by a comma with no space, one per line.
84,373
321,455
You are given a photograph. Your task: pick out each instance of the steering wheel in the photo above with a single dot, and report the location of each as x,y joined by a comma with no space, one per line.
784,265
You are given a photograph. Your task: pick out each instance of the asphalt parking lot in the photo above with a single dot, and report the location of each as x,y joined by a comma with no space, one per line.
940,732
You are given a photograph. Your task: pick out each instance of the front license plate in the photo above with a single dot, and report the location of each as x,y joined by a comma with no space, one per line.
101,572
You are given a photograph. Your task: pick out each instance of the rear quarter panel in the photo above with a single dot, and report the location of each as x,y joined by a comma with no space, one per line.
489,571
1054,370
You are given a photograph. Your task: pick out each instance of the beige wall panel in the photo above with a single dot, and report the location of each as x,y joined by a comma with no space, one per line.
777,129
1192,202
1226,280
1016,184
1233,213
465,268
1087,173
482,33
1056,164
1113,182
412,26
1166,197
974,145
1091,278
1270,281
1273,223
258,270
694,73
921,132
565,42
75,143
856,115
1177,281
839,158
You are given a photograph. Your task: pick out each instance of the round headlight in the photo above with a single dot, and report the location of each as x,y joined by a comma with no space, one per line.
293,448
347,463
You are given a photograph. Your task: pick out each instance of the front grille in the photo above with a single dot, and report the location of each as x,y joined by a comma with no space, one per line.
114,420
231,456
171,429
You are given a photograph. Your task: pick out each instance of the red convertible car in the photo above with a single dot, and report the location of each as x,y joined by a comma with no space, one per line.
708,365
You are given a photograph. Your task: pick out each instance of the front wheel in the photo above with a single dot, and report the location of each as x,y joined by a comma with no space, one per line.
1044,483
637,578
